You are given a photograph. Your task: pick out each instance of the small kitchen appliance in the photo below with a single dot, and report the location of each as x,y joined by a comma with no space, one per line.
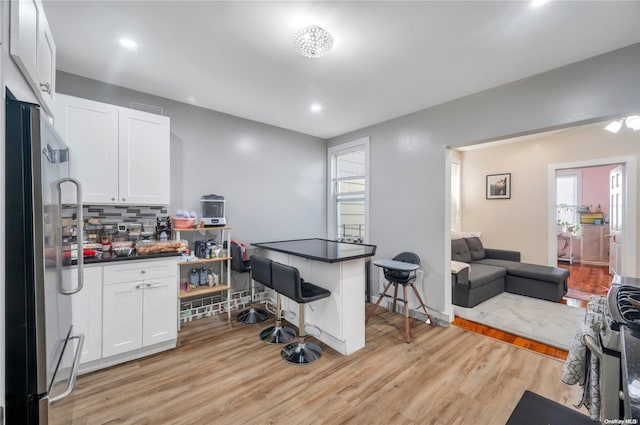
213,210
163,225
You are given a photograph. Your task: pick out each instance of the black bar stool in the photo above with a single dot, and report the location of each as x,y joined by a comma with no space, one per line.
261,273
286,281
250,315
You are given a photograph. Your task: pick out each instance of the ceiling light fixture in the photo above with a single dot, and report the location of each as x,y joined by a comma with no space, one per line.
312,41
538,3
614,126
128,43
316,107
632,122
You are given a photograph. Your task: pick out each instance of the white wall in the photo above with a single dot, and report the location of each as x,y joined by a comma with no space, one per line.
273,179
409,184
521,222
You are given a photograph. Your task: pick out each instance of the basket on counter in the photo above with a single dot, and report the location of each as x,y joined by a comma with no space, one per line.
183,223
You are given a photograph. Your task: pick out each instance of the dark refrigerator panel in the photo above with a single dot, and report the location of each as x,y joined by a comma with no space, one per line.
40,362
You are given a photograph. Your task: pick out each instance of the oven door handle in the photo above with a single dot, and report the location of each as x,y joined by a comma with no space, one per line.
593,346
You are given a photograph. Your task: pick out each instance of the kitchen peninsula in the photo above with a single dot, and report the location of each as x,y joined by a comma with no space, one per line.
338,267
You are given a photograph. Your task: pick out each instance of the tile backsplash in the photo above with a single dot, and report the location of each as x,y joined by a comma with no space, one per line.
113,214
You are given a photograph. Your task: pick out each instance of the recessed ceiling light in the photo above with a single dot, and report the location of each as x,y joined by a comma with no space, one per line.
537,3
315,107
128,43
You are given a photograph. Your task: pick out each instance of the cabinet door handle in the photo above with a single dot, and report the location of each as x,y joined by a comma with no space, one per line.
140,286
45,87
124,199
113,199
143,271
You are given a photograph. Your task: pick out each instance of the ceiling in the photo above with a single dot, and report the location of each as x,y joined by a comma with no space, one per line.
389,58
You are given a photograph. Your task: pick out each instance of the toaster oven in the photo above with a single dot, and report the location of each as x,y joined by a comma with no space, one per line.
213,210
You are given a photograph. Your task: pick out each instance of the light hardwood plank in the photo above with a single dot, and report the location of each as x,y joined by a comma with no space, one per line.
221,373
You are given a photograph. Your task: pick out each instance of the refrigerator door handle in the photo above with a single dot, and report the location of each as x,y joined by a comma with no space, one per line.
74,369
80,240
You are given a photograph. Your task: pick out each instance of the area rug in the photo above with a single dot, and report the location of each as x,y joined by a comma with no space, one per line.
547,322
533,409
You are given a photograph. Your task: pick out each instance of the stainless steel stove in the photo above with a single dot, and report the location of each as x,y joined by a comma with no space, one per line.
621,306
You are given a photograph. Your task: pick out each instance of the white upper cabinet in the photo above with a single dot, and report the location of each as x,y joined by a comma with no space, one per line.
144,145
91,132
120,156
33,49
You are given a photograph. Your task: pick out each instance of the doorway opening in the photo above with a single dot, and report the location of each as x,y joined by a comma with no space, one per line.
583,213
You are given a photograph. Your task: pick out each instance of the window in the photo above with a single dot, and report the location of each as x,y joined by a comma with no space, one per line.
568,196
348,194
456,184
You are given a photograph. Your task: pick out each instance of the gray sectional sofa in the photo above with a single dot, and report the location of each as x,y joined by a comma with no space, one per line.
493,271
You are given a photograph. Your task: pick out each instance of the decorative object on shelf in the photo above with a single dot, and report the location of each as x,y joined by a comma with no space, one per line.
313,41
499,186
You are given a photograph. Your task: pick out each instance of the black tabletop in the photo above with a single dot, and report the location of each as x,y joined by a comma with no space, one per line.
320,249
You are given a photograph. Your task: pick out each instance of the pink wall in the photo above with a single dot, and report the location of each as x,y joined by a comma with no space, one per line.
595,187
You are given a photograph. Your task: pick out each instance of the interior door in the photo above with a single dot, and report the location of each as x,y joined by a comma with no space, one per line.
616,210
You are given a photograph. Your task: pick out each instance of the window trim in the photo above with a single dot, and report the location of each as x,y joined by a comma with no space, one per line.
332,152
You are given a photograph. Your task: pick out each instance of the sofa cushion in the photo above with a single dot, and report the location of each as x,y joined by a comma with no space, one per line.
460,251
475,248
539,272
481,274
509,265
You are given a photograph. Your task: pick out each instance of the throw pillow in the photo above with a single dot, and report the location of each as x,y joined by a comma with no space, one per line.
460,251
476,249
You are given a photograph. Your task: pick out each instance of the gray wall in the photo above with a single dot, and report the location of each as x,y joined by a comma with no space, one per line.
409,204
273,179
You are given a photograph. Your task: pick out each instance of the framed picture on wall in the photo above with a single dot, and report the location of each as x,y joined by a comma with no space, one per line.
499,186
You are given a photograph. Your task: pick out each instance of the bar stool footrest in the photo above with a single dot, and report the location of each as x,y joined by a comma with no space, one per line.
252,315
277,335
301,353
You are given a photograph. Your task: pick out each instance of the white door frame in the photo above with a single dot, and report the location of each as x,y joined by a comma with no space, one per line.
629,242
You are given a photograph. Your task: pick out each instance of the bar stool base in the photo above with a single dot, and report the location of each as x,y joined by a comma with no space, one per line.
252,315
277,335
301,353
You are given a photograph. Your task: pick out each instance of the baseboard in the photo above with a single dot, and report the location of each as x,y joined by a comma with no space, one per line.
440,318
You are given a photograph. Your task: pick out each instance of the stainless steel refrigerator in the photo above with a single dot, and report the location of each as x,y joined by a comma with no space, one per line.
42,351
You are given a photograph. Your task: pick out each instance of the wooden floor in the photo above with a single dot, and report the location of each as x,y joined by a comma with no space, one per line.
584,281
222,373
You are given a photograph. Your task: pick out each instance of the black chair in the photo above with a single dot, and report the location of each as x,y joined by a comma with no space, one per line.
405,278
250,315
287,281
261,273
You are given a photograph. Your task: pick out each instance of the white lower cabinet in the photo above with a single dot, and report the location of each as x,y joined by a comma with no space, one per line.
140,307
122,318
86,306
126,310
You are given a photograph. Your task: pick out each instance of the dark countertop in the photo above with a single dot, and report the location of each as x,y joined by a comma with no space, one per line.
112,258
320,249
631,371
